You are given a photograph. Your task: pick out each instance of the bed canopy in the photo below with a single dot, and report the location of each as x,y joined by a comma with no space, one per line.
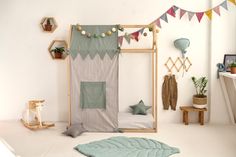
93,67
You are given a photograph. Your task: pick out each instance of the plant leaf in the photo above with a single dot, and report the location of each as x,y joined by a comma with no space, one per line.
126,147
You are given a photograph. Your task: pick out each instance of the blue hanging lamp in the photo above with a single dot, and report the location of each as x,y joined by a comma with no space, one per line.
182,44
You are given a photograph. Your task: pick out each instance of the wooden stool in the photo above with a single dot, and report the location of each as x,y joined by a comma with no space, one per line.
187,109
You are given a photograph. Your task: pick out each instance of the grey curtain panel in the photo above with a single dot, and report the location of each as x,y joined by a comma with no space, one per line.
94,80
169,92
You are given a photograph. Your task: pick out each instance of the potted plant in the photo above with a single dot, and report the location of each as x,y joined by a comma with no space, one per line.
200,99
233,68
48,25
58,52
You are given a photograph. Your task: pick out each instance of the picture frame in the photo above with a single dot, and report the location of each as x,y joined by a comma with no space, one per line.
229,59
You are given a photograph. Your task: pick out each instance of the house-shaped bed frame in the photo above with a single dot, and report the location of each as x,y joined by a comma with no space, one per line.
154,72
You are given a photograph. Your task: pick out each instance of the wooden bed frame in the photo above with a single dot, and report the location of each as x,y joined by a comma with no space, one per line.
154,69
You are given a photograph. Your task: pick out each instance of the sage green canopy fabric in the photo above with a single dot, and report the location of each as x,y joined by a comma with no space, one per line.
84,45
93,95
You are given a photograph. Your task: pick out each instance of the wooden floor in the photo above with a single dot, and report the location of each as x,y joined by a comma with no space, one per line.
193,140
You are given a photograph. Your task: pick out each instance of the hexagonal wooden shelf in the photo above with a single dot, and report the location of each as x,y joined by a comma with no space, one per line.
58,44
48,24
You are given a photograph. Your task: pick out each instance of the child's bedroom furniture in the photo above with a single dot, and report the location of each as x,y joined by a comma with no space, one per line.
187,109
35,107
93,79
228,85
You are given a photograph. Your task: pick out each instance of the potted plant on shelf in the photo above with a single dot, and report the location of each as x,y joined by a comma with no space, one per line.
58,52
200,99
233,68
48,25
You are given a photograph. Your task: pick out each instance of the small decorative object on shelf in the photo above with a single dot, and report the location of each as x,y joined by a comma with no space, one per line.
228,60
58,52
48,24
200,99
58,49
233,68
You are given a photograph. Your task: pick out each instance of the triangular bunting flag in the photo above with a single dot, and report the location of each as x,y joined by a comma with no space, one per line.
158,23
209,14
224,5
135,36
233,1
175,8
120,40
199,16
190,15
182,12
164,17
217,10
127,37
141,31
171,12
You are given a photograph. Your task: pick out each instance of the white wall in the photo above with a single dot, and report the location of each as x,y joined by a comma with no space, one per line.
223,36
28,72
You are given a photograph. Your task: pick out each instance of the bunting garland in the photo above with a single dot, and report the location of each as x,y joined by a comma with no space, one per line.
209,14
217,10
199,16
190,15
181,14
172,12
233,1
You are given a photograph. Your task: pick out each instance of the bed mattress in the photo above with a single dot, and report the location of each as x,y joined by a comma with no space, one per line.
128,120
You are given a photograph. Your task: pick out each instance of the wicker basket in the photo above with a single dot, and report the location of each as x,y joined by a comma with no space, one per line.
199,102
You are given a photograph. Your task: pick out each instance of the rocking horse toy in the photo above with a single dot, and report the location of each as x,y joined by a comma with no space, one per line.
35,107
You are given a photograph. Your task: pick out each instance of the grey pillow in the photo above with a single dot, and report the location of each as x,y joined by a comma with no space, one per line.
140,108
75,130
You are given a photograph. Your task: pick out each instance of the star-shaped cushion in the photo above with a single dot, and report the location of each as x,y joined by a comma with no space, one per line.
140,108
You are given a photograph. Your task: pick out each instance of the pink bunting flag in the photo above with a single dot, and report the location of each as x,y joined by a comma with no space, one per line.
171,12
217,10
158,23
182,12
120,40
190,15
199,16
135,36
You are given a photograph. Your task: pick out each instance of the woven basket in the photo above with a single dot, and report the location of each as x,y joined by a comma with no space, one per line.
199,102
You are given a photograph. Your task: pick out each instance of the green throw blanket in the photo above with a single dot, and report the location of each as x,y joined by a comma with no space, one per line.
126,147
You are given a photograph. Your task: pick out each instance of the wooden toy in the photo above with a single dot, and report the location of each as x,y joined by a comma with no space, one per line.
35,107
